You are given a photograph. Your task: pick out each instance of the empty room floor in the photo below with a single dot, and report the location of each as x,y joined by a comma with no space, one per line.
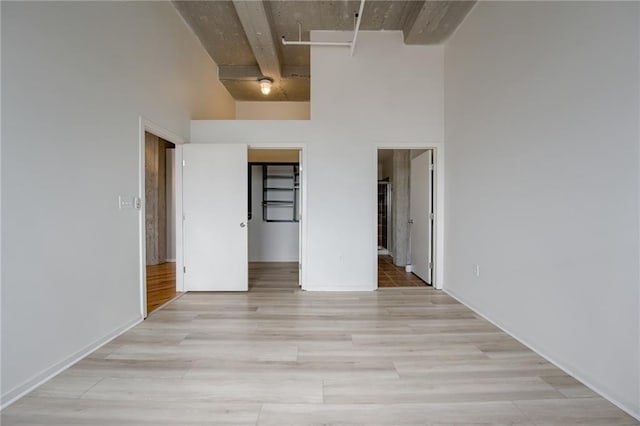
276,355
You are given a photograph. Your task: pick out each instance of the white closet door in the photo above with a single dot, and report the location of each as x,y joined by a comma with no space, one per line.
215,209
420,214
300,216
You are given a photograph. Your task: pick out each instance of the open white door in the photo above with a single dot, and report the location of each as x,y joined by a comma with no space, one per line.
215,212
420,213
299,213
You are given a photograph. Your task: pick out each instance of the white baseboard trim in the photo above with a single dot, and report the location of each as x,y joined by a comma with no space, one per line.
273,260
634,412
170,260
19,391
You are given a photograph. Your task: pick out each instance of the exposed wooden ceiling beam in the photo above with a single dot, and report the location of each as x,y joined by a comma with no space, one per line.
256,23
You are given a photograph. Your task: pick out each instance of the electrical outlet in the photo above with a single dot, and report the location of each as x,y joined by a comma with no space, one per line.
476,270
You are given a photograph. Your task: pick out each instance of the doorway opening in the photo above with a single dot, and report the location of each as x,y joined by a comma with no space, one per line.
274,218
160,201
405,217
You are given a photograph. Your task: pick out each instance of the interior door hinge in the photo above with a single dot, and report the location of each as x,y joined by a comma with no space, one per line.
184,269
432,216
430,265
432,167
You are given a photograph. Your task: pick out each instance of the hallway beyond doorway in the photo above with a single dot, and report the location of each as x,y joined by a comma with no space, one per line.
390,275
273,276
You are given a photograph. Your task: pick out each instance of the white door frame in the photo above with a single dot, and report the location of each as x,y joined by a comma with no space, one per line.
146,125
438,188
303,229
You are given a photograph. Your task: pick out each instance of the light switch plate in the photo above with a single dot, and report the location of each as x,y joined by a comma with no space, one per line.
128,202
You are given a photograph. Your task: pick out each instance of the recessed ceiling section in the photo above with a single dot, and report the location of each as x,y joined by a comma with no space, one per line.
283,90
243,36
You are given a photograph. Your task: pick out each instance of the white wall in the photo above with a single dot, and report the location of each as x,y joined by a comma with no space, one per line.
273,110
269,241
75,78
388,93
542,147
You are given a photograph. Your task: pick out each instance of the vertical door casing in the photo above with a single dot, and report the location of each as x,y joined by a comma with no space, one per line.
300,218
215,217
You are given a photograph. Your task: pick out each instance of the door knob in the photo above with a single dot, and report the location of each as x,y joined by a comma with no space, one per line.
242,224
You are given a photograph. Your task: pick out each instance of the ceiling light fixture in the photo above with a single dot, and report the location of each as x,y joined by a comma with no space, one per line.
265,85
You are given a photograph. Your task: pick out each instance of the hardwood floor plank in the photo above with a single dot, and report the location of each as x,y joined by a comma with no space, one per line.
568,411
491,413
476,369
67,385
231,389
90,412
311,370
410,390
130,368
247,351
570,387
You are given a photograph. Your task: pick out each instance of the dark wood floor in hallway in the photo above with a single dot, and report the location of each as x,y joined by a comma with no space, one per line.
276,355
161,285
390,275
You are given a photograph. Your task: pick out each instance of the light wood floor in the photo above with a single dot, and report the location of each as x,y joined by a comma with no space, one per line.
161,285
390,275
273,275
279,356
